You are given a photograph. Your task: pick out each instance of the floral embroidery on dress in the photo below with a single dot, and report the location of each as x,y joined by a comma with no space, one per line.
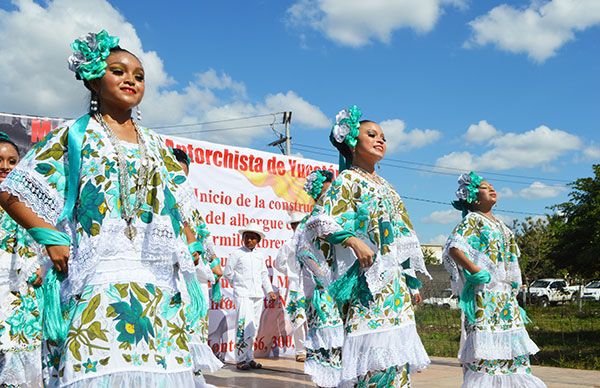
121,323
326,357
392,377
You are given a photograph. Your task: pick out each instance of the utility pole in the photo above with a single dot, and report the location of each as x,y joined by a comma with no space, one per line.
287,119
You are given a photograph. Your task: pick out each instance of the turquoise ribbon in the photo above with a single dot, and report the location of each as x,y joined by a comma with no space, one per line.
198,303
75,143
54,326
467,297
412,282
339,237
524,316
351,285
316,302
196,246
216,287
217,295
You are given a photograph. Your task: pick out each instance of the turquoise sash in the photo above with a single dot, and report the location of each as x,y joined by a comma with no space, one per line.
54,326
467,297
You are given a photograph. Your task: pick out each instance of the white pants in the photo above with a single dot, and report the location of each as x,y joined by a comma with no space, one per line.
299,337
248,311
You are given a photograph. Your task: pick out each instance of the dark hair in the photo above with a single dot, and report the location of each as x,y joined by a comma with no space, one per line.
86,83
4,138
181,156
327,174
344,148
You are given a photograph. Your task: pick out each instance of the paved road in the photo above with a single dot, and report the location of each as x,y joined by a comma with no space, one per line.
443,372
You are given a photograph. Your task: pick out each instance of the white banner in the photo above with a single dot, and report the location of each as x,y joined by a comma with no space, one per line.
239,185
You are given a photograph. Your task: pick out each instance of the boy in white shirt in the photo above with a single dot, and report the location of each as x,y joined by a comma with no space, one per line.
247,272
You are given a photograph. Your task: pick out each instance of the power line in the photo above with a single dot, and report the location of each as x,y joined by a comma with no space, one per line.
217,129
216,121
449,204
328,152
451,168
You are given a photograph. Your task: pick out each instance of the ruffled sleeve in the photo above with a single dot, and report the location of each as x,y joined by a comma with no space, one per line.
40,179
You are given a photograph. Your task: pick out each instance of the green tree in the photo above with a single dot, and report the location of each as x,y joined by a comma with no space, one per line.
577,244
429,256
535,238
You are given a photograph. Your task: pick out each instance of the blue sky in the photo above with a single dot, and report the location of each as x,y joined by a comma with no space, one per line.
522,74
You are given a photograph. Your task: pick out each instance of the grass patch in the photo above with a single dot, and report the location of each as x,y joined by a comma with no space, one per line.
566,337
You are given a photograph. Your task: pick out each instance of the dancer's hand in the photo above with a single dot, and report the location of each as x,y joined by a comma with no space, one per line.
38,279
272,296
363,252
59,254
417,298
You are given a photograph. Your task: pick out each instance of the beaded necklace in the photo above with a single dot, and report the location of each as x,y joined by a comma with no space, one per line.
370,176
128,210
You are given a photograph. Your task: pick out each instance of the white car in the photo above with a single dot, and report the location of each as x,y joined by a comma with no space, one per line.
592,291
551,291
445,299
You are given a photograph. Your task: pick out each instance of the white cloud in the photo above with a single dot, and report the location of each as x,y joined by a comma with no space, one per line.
356,23
592,152
397,138
211,80
506,192
443,217
440,239
304,113
537,147
464,161
539,190
480,132
538,30
41,84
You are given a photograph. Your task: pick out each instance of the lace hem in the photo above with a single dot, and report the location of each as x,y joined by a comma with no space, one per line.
203,358
481,345
34,192
477,380
21,368
321,226
325,338
321,375
382,350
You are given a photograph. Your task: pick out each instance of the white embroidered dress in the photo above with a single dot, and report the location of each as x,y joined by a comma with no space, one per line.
20,324
127,322
381,341
495,349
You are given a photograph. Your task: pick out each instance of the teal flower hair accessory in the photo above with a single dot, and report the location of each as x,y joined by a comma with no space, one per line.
347,122
468,188
88,60
4,137
314,182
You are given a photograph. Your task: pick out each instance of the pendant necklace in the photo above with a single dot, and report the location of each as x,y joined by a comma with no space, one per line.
129,210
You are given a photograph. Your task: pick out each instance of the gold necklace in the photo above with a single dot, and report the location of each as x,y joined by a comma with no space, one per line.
371,176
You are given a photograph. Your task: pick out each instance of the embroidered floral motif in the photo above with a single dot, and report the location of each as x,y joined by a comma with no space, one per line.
392,377
518,364
117,325
327,357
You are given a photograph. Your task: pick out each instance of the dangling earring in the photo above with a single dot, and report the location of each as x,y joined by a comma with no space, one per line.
139,113
94,104
378,166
